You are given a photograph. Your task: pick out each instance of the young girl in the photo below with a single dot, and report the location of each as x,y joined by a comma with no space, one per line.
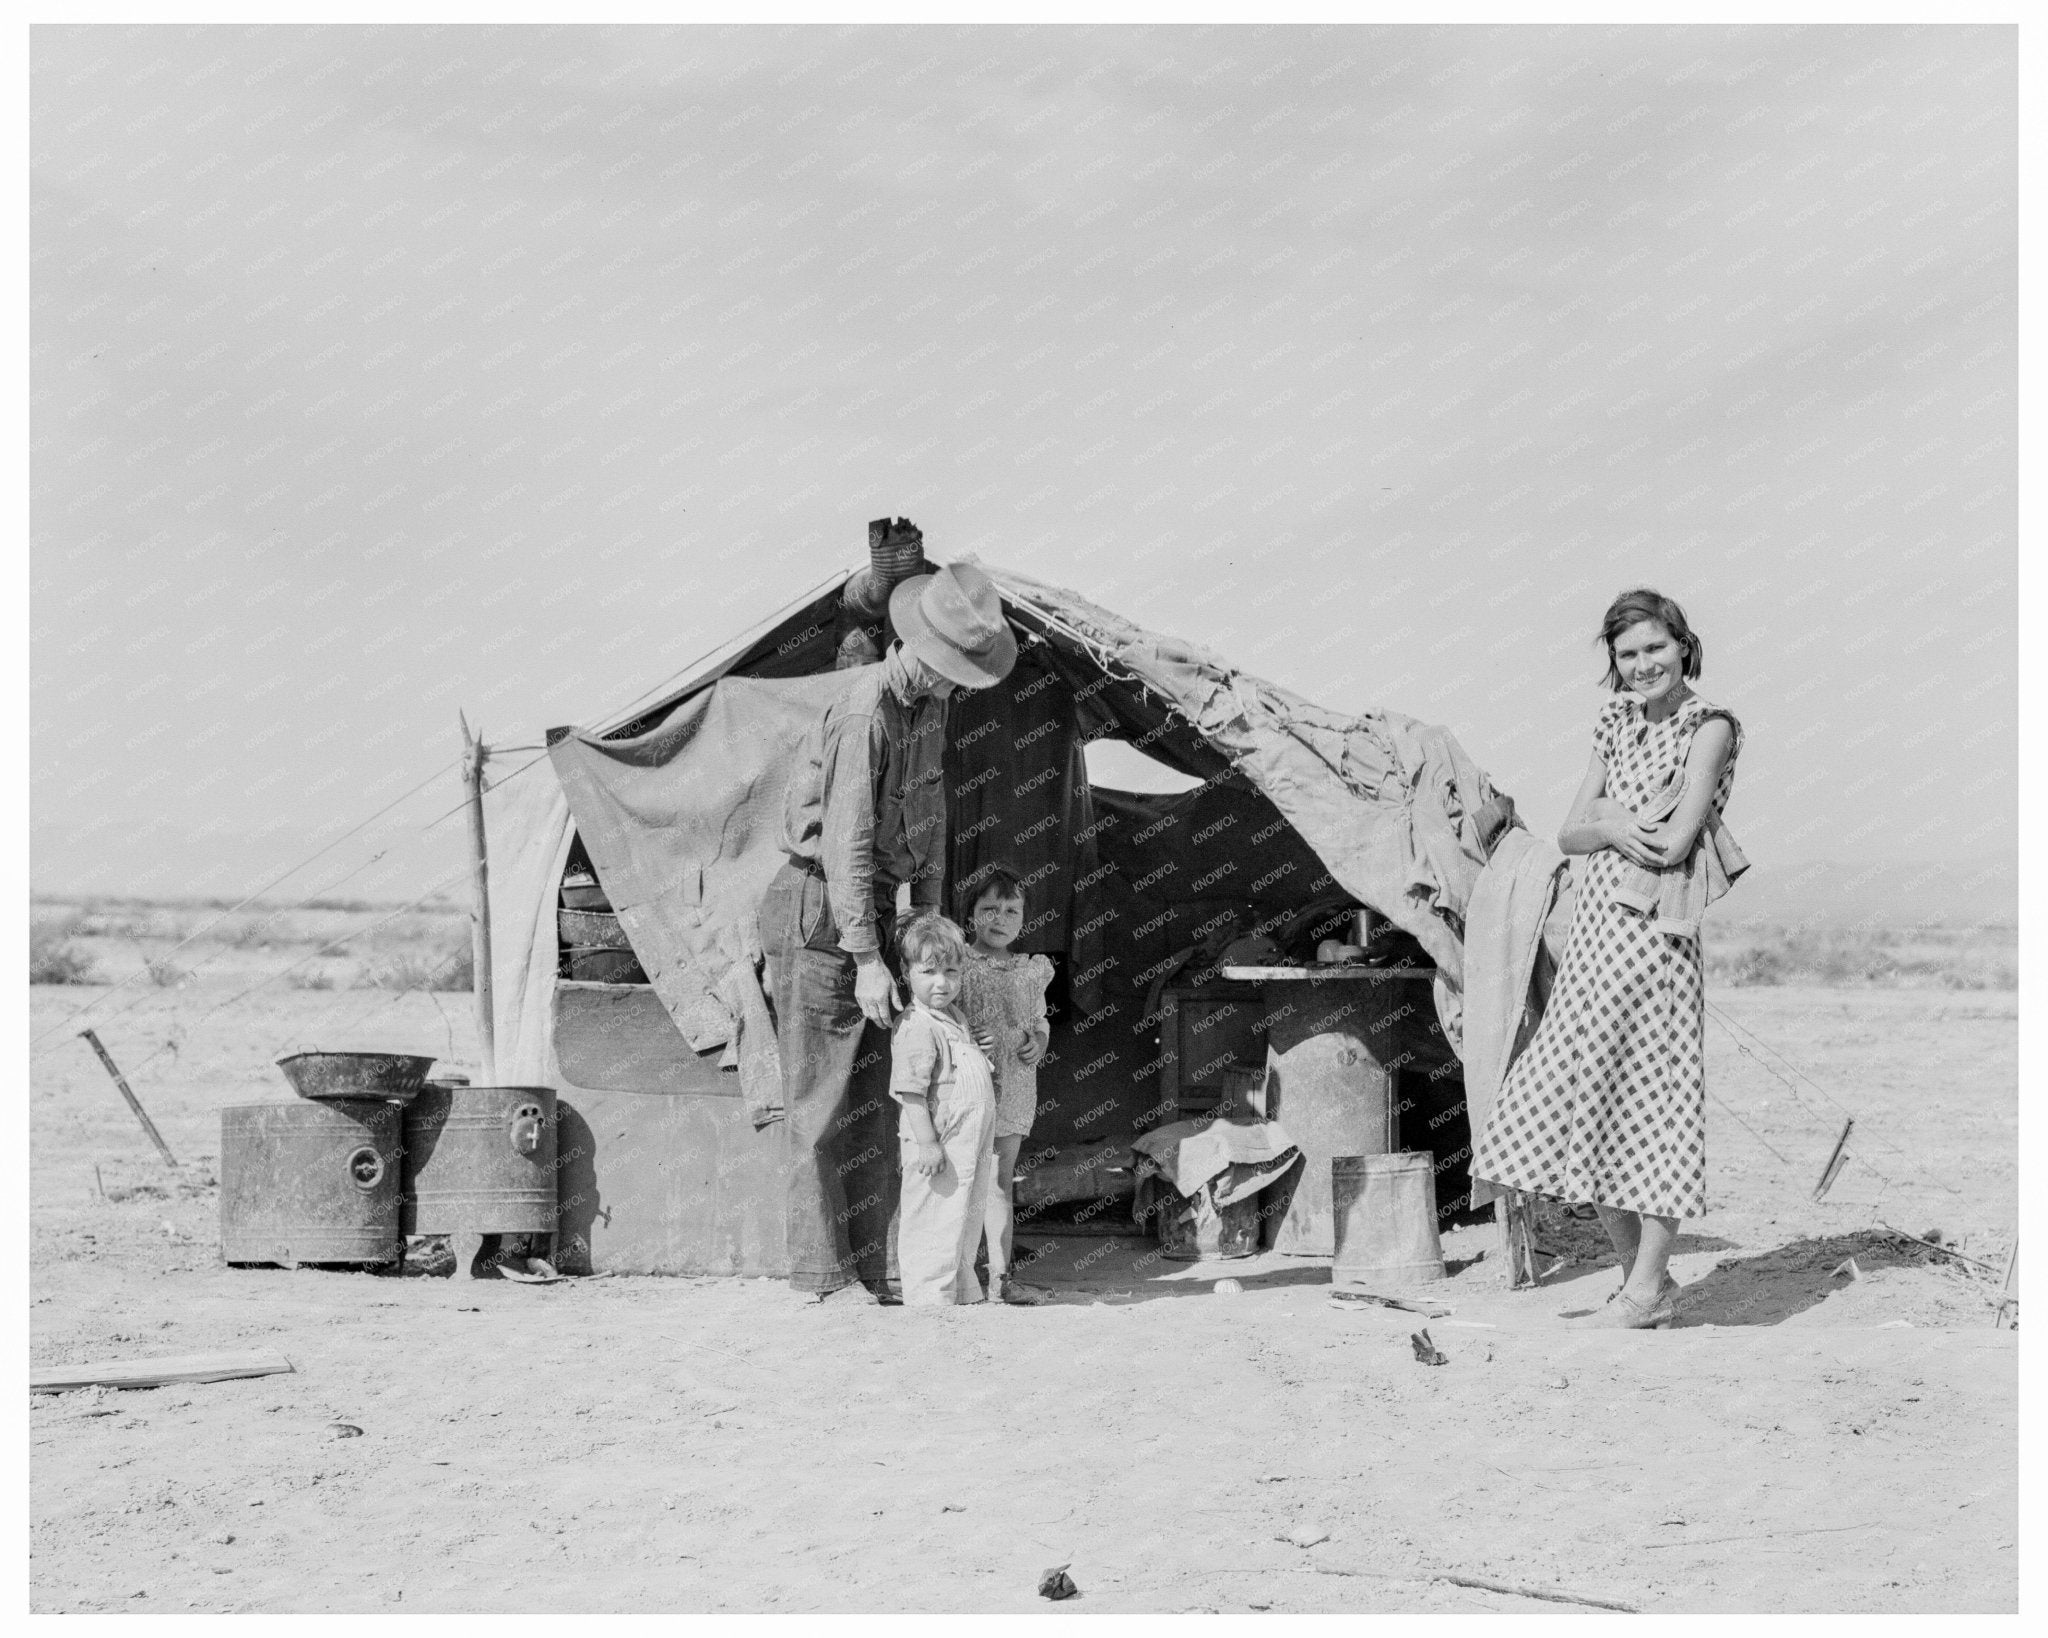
941,1078
1003,996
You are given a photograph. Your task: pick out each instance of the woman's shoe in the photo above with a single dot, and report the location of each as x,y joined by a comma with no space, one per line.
1668,1291
1624,1313
1670,1288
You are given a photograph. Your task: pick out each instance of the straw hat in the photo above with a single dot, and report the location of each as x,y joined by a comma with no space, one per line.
953,621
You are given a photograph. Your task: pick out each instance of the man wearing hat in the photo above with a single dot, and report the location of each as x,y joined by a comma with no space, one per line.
865,814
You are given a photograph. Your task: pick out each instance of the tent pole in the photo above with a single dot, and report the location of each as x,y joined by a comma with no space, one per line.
474,755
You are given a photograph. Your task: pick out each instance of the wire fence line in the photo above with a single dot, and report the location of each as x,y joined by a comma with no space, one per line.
172,1045
1743,1036
65,1026
57,1034
285,875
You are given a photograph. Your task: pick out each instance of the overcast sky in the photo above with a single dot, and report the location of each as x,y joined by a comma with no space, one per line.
381,372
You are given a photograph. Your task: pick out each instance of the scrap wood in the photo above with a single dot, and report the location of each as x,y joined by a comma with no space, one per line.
1343,1295
1837,1159
1486,1585
1516,1214
134,1103
1764,1535
156,1373
1946,1251
2008,1300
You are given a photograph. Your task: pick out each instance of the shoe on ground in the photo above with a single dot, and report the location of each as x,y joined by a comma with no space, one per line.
851,1295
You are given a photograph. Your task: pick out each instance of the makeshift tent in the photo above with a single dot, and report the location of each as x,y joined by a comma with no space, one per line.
671,1146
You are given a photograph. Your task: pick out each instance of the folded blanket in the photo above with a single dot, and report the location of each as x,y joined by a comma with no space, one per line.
1189,1153
1678,894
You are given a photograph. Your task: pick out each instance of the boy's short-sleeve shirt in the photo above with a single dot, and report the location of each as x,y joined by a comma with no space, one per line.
919,1060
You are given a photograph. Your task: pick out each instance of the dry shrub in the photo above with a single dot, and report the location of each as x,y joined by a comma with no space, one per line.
1955,958
443,969
54,959
256,932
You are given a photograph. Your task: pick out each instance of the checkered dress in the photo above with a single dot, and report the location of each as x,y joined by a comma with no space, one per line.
1608,1101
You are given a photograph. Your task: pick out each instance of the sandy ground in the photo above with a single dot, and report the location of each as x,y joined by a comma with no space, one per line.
1805,1440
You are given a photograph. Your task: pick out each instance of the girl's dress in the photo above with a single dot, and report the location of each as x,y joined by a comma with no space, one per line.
1608,1102
1005,995
939,1224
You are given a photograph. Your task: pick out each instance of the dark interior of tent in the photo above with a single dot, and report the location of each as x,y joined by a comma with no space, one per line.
1141,899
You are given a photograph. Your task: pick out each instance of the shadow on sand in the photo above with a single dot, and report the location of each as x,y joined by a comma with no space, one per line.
1772,1286
1767,1288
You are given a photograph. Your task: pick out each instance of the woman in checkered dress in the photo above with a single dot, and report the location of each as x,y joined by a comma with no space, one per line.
1607,1104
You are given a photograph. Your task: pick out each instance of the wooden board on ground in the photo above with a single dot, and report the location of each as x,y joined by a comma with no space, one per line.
156,1373
1320,973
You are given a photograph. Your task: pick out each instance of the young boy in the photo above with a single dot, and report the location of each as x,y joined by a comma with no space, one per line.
941,1078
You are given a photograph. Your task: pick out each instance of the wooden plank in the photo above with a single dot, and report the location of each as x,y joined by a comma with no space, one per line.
156,1373
669,1185
2007,1314
1262,975
1516,1214
474,755
134,1102
1168,1108
620,1038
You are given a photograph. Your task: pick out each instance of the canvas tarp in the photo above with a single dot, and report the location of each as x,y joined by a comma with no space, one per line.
684,825
683,820
528,834
1394,807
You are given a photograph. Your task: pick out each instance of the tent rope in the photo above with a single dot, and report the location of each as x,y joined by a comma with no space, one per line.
624,712
50,1039
200,932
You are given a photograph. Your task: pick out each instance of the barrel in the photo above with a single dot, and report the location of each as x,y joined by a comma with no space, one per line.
479,1160
1384,1209
304,1182
1327,1084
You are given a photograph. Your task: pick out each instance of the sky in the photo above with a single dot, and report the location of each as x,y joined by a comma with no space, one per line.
381,373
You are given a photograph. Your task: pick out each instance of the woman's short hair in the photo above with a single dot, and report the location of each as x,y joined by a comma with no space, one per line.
1634,607
998,879
932,936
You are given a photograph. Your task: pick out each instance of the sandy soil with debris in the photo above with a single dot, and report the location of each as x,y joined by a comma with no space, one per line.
1812,1437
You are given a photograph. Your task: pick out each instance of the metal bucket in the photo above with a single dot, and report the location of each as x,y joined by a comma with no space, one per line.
309,1182
479,1160
1384,1207
1327,1084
